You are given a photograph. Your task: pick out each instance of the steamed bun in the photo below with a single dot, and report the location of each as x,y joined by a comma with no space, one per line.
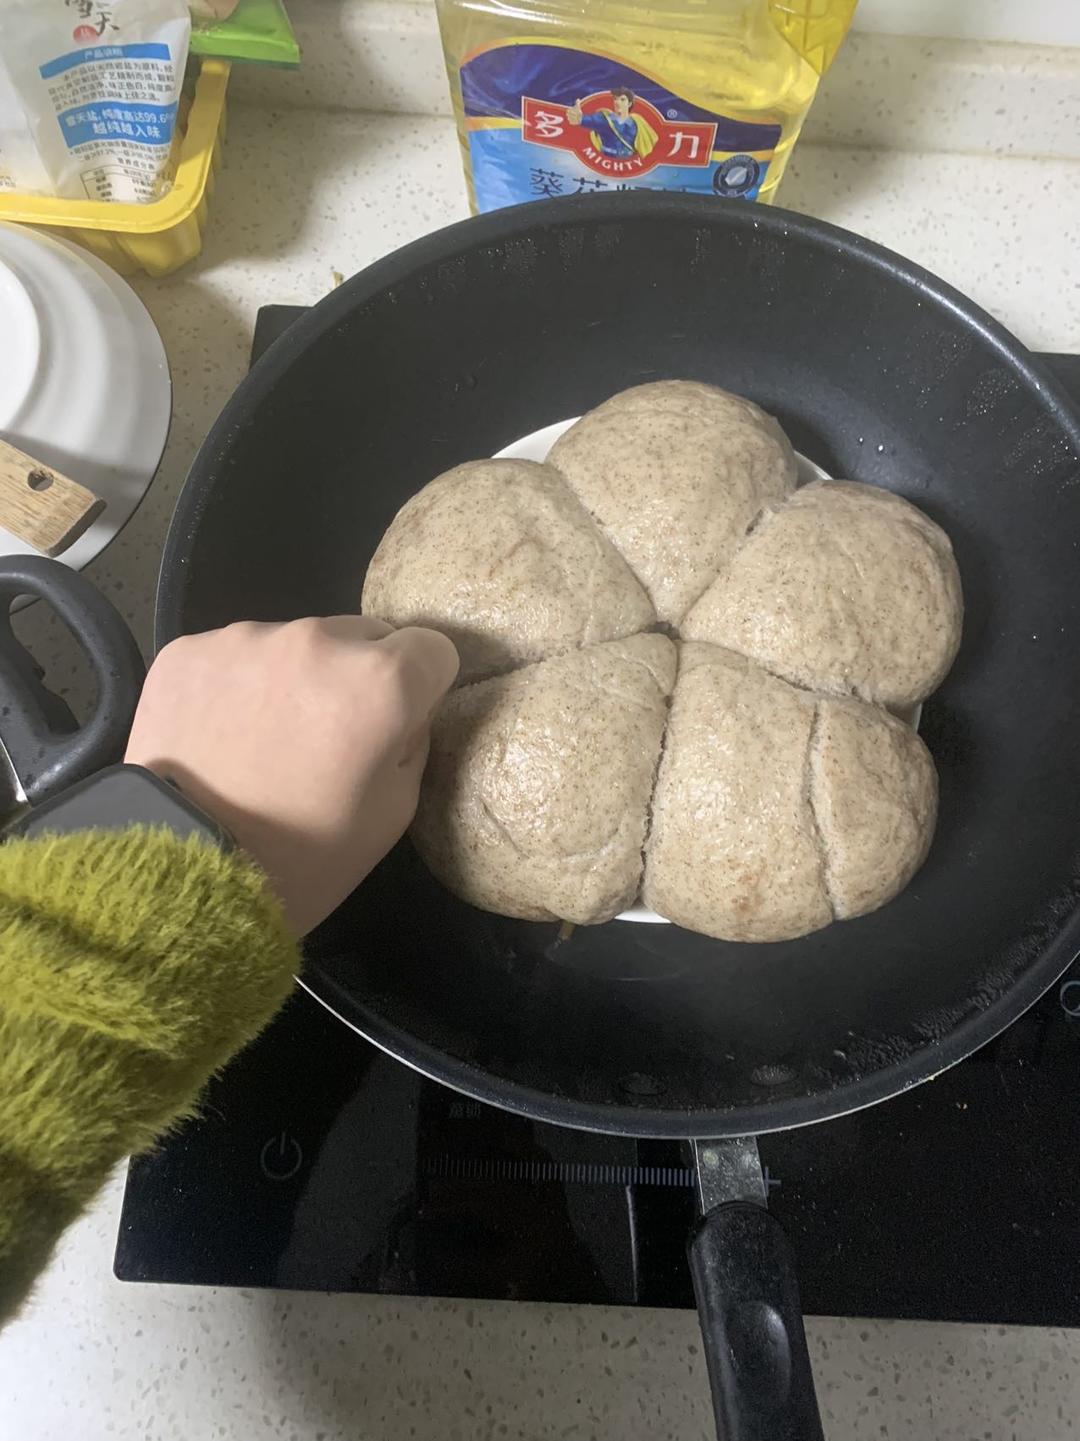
536,796
500,556
674,473
777,811
845,588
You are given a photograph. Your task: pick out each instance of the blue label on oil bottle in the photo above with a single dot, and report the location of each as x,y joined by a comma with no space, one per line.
545,120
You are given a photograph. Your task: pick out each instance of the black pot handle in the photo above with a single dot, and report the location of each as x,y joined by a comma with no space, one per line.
47,747
748,1305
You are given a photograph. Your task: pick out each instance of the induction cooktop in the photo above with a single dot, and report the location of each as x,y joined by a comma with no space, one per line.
319,1163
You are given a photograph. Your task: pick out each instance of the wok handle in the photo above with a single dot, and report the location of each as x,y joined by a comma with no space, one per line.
47,748
748,1304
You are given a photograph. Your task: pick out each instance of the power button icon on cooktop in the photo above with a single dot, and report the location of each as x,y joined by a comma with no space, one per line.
1069,997
281,1157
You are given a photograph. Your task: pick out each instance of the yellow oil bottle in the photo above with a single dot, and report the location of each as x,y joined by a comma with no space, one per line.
562,97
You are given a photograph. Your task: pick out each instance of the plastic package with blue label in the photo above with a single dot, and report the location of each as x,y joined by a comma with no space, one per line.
89,91
578,97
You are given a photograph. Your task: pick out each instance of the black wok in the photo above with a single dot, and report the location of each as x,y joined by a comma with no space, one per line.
465,341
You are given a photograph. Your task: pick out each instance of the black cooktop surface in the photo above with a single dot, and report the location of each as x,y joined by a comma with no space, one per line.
319,1163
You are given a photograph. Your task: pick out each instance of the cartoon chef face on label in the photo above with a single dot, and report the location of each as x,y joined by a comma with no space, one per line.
615,130
616,133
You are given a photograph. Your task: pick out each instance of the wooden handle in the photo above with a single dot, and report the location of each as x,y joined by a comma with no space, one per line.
41,506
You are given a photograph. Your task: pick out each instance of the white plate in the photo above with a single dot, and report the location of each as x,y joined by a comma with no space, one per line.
536,447
84,382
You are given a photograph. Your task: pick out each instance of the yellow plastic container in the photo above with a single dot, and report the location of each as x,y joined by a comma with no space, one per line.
164,234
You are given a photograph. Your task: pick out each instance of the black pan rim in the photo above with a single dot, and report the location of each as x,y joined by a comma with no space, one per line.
772,1113
660,1123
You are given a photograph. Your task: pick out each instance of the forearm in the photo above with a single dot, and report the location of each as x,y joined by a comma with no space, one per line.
132,966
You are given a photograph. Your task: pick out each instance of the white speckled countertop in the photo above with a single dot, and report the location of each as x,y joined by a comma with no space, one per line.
305,194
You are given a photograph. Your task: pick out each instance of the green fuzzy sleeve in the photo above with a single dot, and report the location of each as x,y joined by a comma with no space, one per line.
133,964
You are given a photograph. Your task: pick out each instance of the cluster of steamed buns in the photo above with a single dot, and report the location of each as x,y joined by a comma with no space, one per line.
748,778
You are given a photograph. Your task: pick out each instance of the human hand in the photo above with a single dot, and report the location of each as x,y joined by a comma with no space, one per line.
307,741
573,113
